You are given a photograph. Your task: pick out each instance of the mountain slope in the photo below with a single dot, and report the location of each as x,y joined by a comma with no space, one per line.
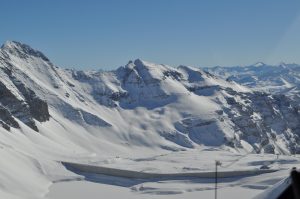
50,114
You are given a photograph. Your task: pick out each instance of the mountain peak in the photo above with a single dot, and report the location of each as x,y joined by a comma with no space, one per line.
21,50
139,62
10,44
15,45
259,64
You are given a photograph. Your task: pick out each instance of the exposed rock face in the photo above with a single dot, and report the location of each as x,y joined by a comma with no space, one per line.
6,119
38,107
276,113
25,110
263,119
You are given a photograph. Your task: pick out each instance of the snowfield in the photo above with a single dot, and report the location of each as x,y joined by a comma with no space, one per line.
247,187
250,185
142,117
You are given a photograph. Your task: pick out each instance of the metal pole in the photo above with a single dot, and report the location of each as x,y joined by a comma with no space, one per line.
216,180
218,163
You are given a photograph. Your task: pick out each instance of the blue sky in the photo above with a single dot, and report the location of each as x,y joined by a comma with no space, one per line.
107,33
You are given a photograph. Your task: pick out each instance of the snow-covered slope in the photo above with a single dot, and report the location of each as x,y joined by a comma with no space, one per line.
50,114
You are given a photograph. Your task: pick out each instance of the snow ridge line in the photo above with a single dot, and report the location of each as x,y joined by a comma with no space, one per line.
145,175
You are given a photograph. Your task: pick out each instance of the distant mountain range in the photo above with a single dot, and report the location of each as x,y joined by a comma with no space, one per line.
282,78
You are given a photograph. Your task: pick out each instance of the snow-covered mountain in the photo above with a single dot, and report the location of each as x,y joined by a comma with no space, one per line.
282,78
50,114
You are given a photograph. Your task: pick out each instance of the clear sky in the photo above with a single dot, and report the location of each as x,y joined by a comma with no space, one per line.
107,33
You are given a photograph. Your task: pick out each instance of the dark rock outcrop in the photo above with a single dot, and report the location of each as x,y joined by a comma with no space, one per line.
25,110
6,119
